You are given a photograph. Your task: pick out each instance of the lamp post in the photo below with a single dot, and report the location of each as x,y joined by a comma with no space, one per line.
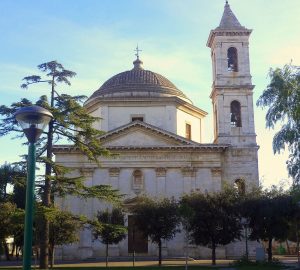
33,120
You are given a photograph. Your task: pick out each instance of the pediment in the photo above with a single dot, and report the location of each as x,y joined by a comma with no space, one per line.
141,134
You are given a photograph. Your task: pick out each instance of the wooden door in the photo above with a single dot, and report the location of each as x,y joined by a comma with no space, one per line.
136,240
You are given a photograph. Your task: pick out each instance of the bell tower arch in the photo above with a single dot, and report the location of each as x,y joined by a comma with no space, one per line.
232,87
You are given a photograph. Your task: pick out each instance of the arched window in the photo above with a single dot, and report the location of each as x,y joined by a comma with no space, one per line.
235,114
232,58
240,186
137,180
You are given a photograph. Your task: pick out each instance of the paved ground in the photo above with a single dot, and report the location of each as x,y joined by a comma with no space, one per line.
288,260
127,263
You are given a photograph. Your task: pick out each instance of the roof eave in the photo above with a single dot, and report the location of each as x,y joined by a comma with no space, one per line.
202,147
227,32
174,99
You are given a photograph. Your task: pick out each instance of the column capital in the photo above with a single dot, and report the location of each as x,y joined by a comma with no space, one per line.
87,172
188,171
161,172
114,172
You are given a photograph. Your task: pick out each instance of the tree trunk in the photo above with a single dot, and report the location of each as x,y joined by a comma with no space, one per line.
44,237
159,252
17,253
50,256
288,247
44,241
270,250
106,259
213,254
51,253
6,250
13,250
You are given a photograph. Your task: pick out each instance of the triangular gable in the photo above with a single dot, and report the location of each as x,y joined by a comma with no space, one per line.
141,134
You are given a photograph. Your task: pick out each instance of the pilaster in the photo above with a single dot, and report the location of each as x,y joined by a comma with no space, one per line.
189,181
86,207
114,177
161,181
216,174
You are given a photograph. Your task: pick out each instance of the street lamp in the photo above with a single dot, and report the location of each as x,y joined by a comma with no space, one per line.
33,120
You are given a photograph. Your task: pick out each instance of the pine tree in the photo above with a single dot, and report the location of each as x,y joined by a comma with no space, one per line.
71,122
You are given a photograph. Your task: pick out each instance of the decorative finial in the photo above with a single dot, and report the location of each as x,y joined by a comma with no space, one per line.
138,64
137,51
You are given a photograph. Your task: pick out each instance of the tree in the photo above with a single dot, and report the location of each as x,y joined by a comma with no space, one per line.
17,230
13,175
19,189
71,122
9,222
158,219
9,174
109,228
269,216
213,218
294,226
282,97
64,228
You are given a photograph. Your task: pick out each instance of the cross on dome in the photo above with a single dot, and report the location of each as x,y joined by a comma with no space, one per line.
137,50
138,64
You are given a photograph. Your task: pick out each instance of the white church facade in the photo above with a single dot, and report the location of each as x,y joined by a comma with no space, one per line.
156,132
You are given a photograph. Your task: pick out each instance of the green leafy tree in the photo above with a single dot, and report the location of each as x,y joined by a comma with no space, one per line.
5,179
269,216
64,229
282,98
17,230
294,221
157,219
212,219
9,222
9,175
71,122
109,228
19,189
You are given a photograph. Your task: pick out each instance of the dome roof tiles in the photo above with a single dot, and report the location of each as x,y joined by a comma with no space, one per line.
138,83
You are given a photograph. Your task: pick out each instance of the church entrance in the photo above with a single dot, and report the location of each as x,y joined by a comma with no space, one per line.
137,242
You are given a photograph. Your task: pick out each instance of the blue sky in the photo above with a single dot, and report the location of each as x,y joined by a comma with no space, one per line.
96,39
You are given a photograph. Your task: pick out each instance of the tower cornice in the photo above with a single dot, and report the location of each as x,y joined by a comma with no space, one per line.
219,89
220,32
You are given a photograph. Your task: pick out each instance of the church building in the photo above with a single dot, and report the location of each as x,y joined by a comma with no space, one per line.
156,132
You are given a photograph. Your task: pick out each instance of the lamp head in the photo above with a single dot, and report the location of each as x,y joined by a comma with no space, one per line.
33,120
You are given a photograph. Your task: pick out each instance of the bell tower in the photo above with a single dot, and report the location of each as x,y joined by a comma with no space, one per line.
232,87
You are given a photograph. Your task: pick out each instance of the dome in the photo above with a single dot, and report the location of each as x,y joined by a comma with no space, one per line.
138,82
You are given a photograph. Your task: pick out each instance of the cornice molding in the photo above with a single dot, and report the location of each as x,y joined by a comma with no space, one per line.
200,148
222,32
